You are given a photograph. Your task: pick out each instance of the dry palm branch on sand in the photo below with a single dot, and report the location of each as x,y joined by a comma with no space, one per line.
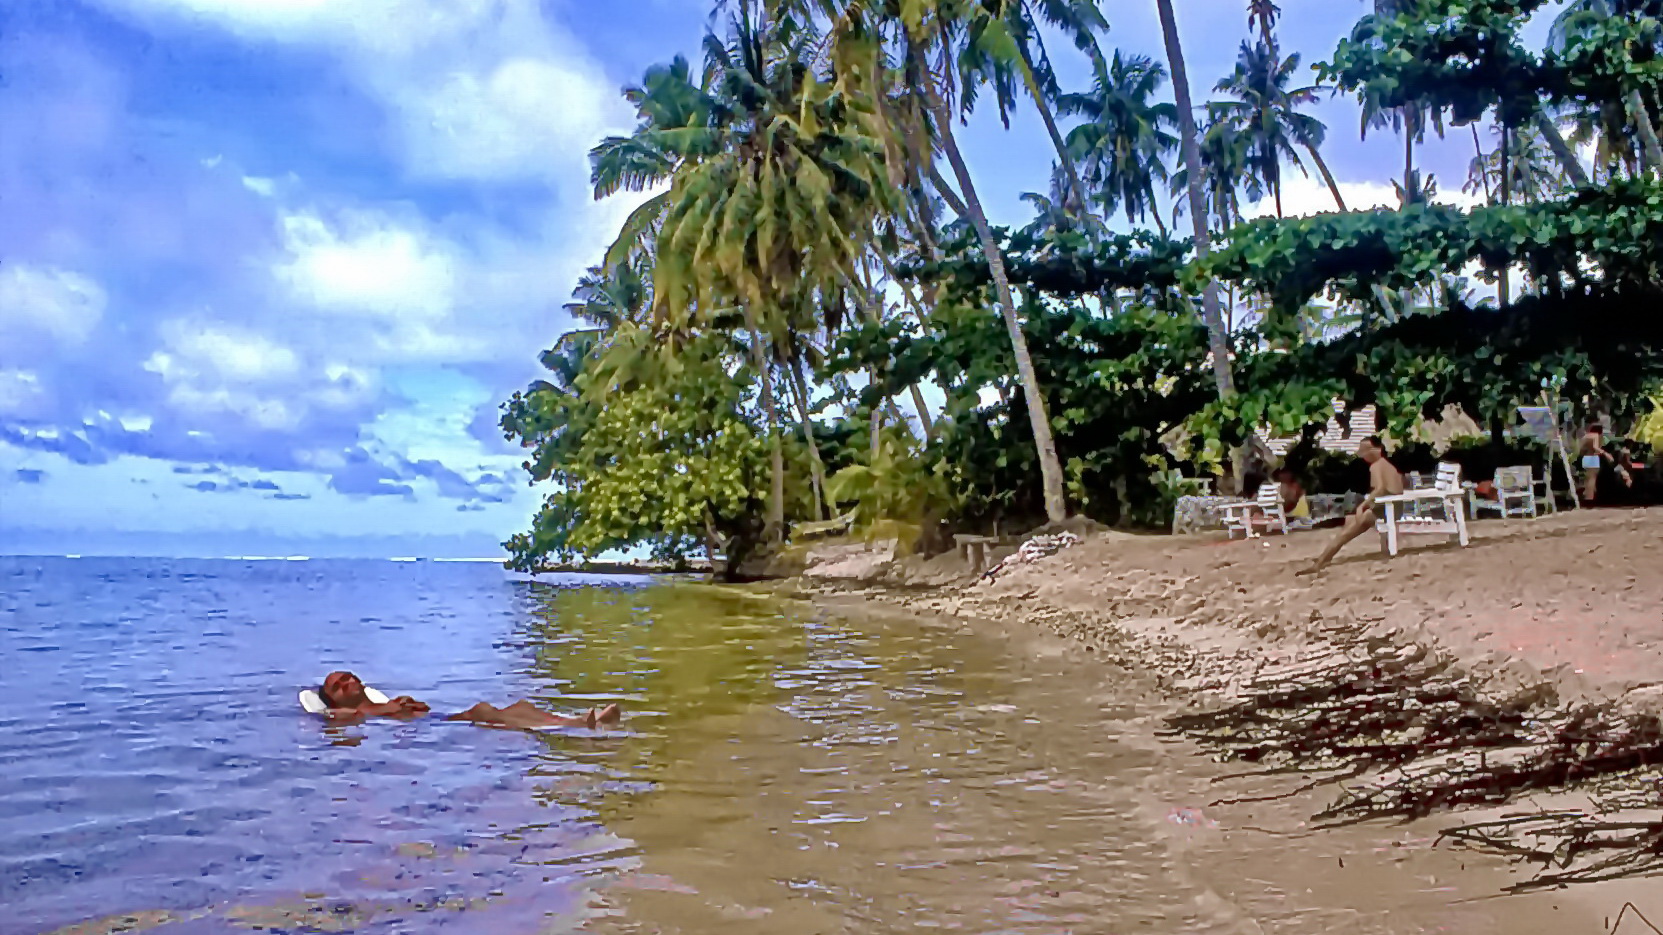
1407,733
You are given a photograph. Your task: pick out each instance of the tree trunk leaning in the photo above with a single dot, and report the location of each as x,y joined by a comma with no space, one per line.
1077,190
775,527
1327,176
1648,133
1217,340
1056,502
1561,150
816,466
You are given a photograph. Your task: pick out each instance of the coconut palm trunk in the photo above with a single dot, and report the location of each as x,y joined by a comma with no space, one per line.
1076,190
816,466
1504,290
1409,186
1217,339
1561,150
946,191
1327,176
1155,212
1648,133
775,527
1050,468
917,394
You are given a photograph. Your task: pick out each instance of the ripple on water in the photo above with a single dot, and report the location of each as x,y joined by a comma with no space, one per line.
776,774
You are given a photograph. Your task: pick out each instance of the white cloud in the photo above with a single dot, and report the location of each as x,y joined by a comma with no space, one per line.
1303,197
21,395
46,305
198,349
487,90
367,265
515,120
213,372
300,297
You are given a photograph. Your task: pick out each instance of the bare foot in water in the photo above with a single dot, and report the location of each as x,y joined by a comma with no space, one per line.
607,715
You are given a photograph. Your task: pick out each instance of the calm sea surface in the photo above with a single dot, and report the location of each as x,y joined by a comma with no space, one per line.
778,771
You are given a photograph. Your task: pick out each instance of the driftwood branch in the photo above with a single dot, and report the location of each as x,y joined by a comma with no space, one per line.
1421,736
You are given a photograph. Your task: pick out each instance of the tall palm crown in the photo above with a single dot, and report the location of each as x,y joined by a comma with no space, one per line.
1611,126
1529,170
1127,135
1226,159
1266,112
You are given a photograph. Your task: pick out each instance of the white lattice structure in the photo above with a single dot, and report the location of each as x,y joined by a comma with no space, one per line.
1335,437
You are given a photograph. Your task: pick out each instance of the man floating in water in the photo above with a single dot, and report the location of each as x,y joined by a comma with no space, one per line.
344,698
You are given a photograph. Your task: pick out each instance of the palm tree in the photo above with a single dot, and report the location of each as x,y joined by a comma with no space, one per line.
1411,121
1267,112
925,39
1226,172
1580,15
1217,340
1049,216
987,58
1520,171
1263,13
607,296
775,184
1125,138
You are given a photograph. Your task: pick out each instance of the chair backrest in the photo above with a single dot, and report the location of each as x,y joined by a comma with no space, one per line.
1449,476
1270,497
1514,479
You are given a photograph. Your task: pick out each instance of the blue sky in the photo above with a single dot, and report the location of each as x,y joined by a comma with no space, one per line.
267,267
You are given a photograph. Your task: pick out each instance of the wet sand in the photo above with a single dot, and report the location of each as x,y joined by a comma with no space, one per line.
1572,602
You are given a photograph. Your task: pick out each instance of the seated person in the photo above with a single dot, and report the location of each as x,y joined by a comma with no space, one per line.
343,696
1294,502
1384,480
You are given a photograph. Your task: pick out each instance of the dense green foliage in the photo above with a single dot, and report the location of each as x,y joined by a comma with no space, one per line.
819,253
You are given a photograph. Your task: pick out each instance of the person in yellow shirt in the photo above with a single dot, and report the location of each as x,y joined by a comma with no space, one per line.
1294,502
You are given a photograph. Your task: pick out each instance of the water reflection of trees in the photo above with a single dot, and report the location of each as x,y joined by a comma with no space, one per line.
677,655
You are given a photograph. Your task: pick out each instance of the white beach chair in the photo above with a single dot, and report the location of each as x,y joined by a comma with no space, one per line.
1515,494
1397,519
1239,516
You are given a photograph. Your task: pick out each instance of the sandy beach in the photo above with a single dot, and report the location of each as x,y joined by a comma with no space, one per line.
1553,617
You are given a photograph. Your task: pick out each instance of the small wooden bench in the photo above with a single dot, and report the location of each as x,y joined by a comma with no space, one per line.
973,549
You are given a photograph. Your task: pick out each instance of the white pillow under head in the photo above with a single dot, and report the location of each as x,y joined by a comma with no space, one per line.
314,705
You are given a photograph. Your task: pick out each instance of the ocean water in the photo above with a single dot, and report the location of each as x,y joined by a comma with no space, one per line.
779,769
153,756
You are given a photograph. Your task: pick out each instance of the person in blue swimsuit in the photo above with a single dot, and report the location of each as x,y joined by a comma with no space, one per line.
343,695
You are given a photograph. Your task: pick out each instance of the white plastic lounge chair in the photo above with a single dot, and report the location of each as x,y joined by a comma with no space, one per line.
1515,494
1396,519
1239,516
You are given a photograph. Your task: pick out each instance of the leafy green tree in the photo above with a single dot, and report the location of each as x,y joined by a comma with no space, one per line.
667,461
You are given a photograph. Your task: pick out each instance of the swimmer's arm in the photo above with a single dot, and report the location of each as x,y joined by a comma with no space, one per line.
344,715
402,706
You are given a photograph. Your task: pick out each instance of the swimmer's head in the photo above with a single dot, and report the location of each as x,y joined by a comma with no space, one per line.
342,690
